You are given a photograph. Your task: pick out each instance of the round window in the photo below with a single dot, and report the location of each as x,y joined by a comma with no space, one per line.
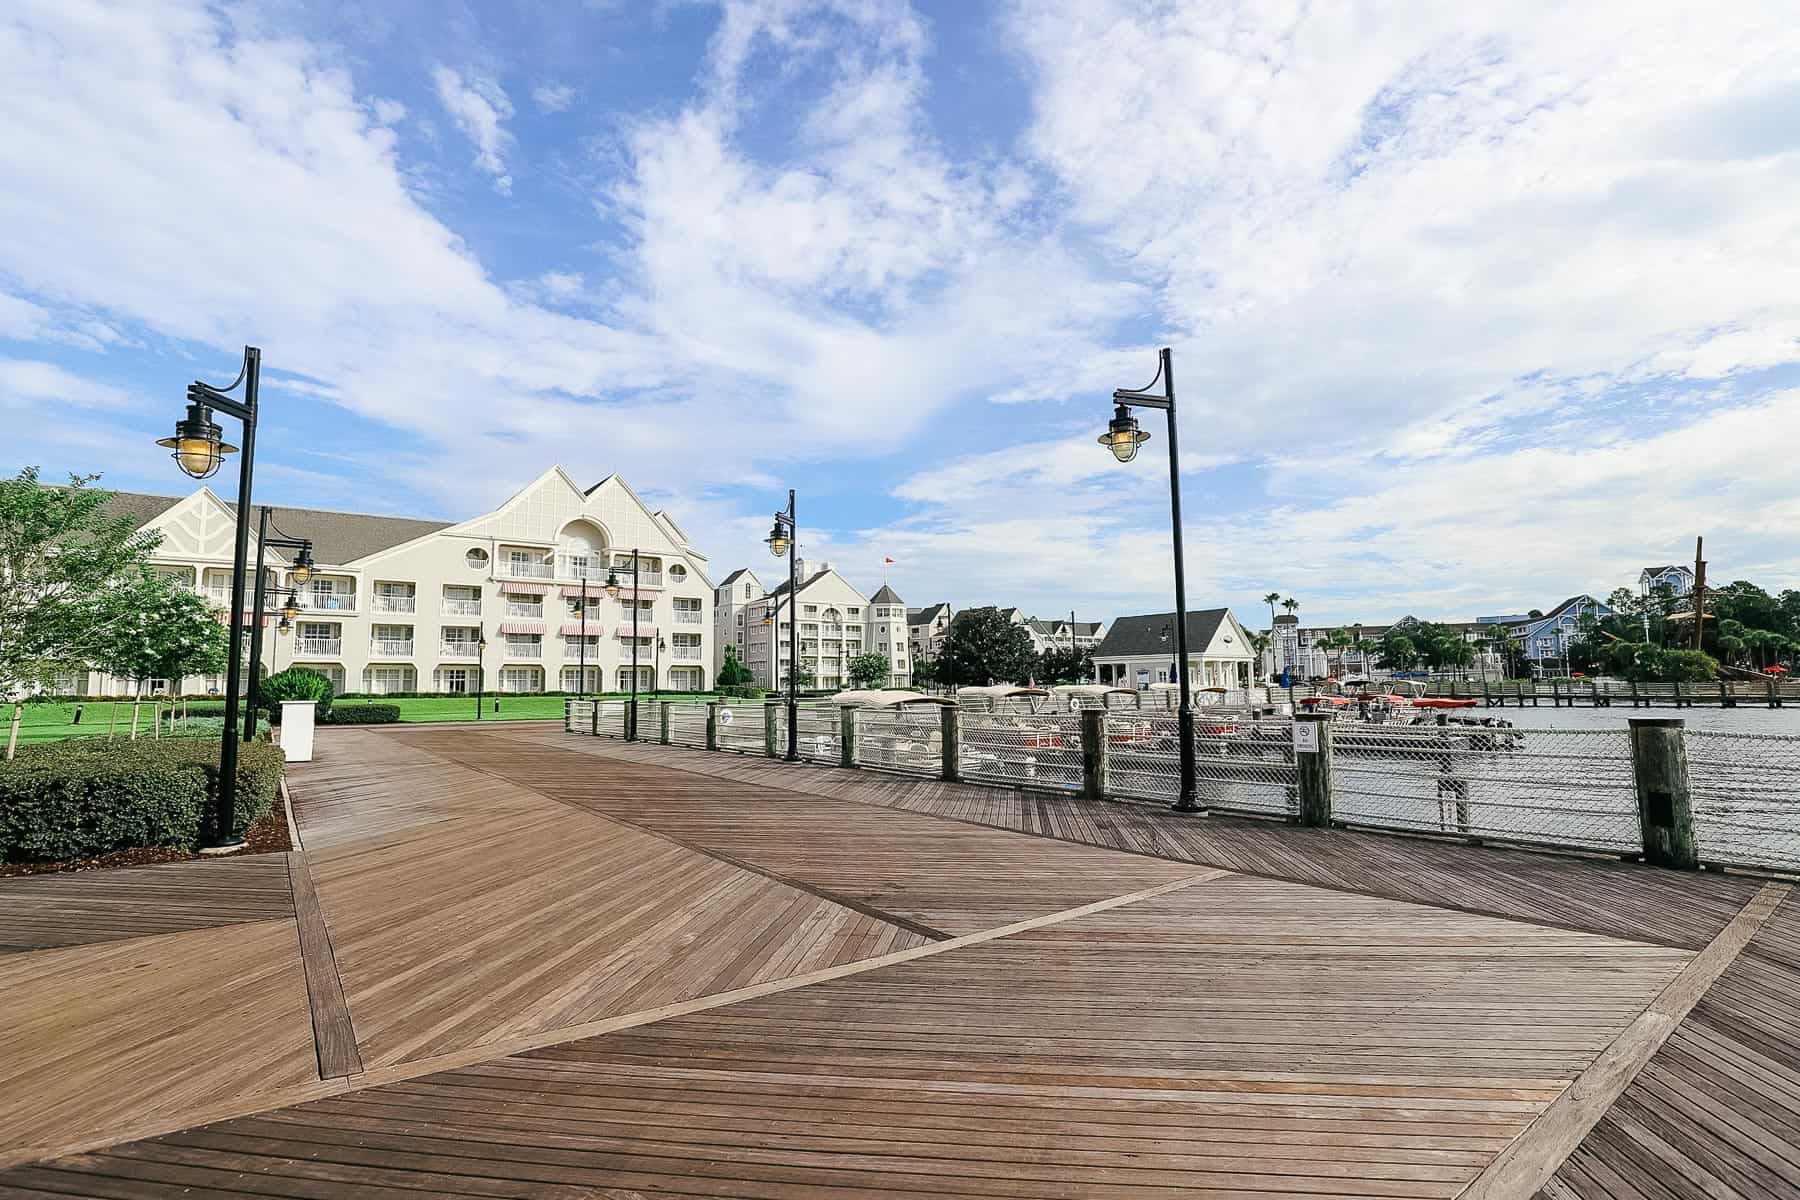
677,571
477,558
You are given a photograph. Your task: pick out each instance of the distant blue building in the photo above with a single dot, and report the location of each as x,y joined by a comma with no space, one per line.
1680,580
1544,641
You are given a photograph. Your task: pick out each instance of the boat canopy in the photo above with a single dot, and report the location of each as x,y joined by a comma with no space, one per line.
884,698
1091,689
999,691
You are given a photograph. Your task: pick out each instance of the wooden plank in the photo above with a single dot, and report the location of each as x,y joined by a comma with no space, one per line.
1530,1162
333,1034
78,908
1147,1046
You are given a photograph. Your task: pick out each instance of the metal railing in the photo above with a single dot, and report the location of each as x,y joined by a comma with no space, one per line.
909,740
1240,763
1675,797
1028,750
459,650
461,608
524,649
1746,806
1551,787
393,604
317,646
391,649
687,616
684,653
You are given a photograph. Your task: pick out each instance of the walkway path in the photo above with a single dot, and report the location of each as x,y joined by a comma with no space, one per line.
516,962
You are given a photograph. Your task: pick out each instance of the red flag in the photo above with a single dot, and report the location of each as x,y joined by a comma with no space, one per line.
887,560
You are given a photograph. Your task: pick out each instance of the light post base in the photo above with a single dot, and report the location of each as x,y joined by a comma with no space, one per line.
224,848
1189,808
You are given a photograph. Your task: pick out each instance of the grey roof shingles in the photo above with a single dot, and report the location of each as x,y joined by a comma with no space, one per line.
886,595
338,538
1141,635
926,615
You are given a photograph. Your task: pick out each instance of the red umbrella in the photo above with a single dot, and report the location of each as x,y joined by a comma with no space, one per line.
1577,675
1778,670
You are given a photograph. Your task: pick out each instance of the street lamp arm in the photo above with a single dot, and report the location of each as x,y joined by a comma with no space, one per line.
1140,400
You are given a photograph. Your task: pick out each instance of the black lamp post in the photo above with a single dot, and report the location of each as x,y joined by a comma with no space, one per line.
480,663
656,670
199,449
1123,437
784,539
298,574
582,689
613,589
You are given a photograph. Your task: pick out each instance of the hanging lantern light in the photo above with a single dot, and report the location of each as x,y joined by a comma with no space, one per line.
612,583
290,608
1122,435
778,539
198,446
303,565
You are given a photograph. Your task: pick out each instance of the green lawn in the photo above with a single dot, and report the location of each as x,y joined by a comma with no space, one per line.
54,722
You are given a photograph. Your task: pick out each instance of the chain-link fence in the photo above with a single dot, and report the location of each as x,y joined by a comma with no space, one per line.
1746,798
687,724
741,727
1240,763
1023,749
819,731
900,739
1552,787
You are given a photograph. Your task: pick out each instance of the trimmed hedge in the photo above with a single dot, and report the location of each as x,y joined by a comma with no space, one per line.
362,714
83,797
295,683
742,691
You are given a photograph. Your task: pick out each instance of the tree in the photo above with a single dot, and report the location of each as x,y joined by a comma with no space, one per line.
869,670
924,672
983,647
151,629
1272,599
58,552
733,673
802,676
1059,664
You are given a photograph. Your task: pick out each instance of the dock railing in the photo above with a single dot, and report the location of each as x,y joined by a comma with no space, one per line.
1650,789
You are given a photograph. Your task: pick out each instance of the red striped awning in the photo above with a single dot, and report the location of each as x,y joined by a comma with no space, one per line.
536,627
573,629
515,588
644,629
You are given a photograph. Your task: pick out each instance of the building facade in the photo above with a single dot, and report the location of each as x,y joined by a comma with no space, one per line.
1679,580
926,629
837,623
1140,650
495,602
731,603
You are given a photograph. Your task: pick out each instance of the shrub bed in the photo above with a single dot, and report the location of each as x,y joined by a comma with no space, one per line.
362,714
742,691
84,797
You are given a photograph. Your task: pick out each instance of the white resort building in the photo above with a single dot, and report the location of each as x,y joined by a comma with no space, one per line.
495,602
837,623
1139,651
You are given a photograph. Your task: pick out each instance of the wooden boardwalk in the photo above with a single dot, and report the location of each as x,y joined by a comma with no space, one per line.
518,963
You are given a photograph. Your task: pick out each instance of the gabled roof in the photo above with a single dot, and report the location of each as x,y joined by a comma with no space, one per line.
781,588
737,575
338,538
1668,567
926,615
886,595
1141,635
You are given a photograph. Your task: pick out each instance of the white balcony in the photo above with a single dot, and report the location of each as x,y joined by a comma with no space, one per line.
318,647
524,649
328,601
685,653
395,604
684,616
462,608
526,612
383,648
459,650
567,569
646,577
529,570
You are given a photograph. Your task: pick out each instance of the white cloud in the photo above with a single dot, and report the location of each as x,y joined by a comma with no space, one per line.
479,107
388,112
553,97
29,384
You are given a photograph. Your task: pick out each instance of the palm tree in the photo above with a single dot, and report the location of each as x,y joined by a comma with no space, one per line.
1291,604
1272,599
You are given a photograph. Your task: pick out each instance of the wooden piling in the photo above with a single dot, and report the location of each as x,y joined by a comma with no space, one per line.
950,754
846,736
662,722
1312,768
769,731
1093,754
1659,766
712,725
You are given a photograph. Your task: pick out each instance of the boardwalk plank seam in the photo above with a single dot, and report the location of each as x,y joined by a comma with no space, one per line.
333,1034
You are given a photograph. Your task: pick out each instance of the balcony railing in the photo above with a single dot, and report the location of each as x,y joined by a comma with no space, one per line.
528,612
462,608
524,650
318,646
567,569
530,570
399,604
687,616
646,577
391,649
329,601
685,653
460,650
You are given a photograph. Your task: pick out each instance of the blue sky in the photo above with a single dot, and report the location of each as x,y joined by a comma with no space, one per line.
1470,310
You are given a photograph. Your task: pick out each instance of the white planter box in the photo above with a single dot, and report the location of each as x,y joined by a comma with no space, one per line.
297,730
